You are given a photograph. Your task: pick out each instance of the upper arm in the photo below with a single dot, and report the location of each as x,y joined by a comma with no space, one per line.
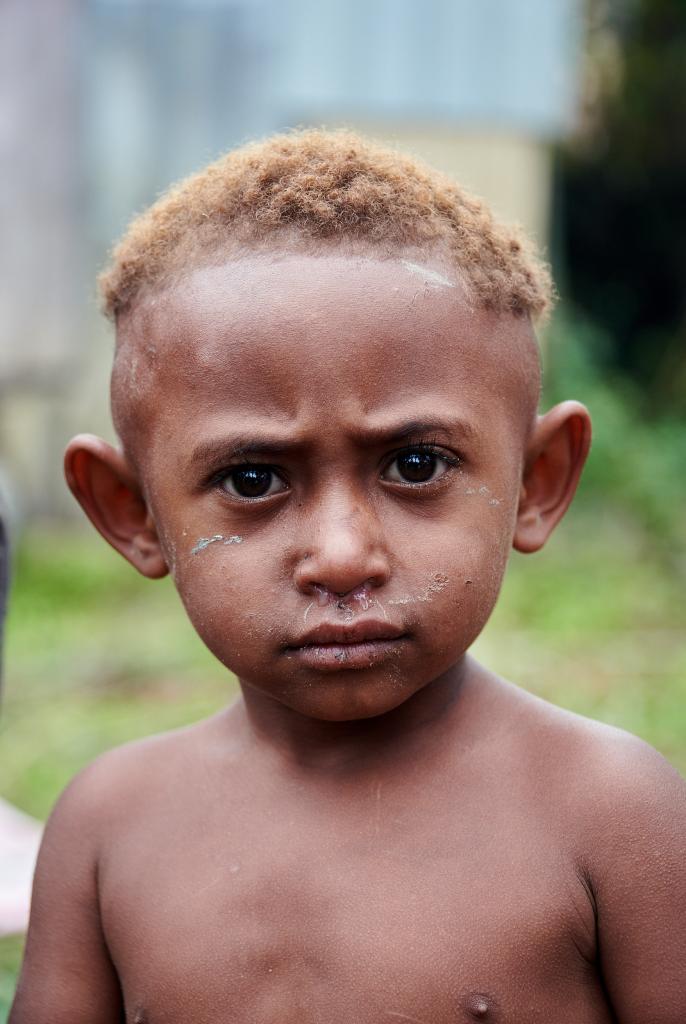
639,874
67,976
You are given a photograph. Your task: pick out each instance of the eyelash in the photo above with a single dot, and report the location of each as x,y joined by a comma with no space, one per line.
450,459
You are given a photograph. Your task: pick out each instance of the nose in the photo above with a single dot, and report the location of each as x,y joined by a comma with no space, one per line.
344,549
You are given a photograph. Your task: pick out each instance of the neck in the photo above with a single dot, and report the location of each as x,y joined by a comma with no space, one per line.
335,747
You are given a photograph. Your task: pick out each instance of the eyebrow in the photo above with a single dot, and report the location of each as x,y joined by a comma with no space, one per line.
413,428
247,445
238,447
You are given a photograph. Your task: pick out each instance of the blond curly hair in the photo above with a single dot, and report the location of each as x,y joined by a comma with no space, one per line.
316,187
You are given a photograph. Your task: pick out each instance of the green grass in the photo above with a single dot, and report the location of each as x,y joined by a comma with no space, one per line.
10,957
96,655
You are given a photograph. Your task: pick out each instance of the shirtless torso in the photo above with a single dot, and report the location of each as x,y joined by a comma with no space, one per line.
486,868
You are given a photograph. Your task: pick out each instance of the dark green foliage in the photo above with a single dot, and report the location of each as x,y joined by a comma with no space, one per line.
622,195
637,466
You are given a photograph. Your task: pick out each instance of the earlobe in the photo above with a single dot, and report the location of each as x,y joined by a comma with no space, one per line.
556,454
103,483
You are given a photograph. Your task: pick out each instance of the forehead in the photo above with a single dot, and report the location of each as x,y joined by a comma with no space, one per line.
327,335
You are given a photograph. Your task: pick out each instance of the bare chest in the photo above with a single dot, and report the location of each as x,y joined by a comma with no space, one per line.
374,923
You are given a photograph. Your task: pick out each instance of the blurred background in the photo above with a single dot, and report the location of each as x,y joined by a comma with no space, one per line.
569,116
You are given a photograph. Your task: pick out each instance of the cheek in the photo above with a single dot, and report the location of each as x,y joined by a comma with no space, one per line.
226,598
485,555
472,542
462,572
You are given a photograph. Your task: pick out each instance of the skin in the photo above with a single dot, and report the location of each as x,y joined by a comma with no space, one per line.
379,829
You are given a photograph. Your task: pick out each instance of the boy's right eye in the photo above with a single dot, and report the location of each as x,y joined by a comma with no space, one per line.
252,482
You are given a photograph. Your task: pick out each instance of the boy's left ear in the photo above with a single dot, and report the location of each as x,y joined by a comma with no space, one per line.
555,456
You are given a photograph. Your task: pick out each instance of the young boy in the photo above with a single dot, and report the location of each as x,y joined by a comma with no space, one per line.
325,387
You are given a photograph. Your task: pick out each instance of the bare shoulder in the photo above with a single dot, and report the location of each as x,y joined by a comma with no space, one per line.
107,792
632,804
68,973
613,790
616,770
618,810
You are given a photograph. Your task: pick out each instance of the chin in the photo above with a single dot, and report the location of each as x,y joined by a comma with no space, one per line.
348,701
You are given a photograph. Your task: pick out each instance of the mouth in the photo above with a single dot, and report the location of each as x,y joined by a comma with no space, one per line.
335,646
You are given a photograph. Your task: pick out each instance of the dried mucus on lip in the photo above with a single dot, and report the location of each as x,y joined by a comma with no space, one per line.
204,542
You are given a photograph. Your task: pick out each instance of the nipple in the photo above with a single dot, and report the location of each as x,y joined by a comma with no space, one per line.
480,1007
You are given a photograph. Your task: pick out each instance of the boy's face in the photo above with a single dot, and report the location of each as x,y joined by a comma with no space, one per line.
331,448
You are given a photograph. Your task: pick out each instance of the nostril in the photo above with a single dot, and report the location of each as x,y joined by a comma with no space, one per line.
358,597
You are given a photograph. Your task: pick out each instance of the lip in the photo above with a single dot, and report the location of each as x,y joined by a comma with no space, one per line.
333,646
360,631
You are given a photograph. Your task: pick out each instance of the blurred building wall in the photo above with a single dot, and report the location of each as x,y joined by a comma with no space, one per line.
104,102
41,251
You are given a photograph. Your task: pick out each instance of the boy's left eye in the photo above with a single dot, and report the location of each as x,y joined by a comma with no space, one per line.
418,466
252,482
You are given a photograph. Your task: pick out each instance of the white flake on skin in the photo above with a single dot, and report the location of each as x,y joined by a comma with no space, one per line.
204,542
431,277
438,583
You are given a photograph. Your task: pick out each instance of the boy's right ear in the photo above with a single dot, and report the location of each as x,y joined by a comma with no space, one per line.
104,485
